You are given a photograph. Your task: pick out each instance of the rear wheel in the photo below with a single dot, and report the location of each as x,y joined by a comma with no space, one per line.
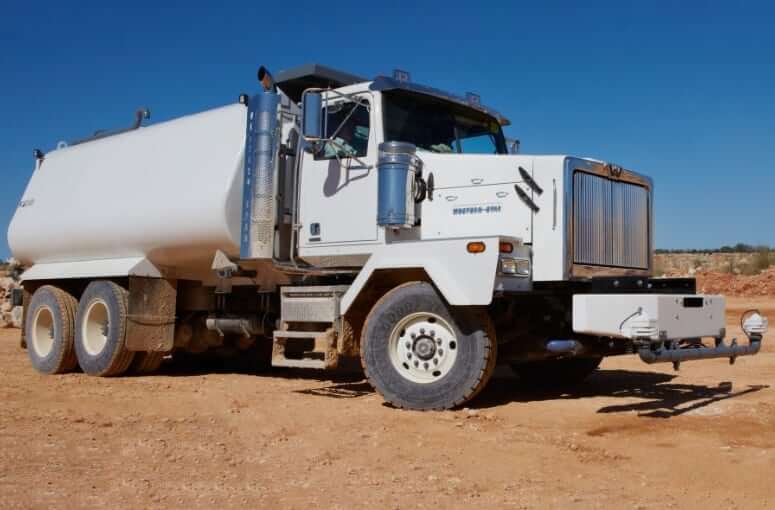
101,330
50,329
419,353
557,372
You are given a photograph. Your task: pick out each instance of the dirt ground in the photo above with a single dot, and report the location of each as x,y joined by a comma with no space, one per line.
633,436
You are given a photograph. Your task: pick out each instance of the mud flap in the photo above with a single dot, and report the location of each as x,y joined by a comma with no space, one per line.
151,314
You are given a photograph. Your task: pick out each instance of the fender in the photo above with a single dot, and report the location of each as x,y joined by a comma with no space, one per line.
101,268
463,278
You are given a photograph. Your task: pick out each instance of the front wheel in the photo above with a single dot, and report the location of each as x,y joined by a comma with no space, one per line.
420,353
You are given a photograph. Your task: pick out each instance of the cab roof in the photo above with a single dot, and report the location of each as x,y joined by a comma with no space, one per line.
296,80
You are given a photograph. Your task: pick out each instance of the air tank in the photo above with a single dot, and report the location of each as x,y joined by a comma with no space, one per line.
171,192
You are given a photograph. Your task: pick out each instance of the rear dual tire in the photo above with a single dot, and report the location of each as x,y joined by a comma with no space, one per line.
146,362
101,330
50,329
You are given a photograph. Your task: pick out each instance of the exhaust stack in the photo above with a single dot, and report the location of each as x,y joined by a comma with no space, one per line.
266,79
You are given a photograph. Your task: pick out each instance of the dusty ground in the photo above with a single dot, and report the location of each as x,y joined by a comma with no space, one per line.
634,436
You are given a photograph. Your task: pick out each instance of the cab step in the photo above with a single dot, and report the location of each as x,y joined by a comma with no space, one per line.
308,334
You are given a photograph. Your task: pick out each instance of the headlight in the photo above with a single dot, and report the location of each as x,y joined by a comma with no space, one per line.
515,267
753,324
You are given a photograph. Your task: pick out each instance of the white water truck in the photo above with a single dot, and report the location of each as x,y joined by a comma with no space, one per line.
330,218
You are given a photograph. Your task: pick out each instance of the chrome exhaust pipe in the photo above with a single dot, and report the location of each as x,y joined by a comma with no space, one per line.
567,347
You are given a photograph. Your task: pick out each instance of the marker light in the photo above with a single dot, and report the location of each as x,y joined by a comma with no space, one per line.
401,75
476,247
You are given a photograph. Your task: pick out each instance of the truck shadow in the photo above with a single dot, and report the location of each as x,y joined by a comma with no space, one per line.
182,366
660,398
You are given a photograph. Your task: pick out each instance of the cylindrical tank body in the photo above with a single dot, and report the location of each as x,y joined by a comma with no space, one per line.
170,192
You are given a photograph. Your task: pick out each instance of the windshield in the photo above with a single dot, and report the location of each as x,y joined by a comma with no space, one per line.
436,125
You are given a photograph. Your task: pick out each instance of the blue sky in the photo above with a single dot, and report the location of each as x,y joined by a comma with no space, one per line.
682,91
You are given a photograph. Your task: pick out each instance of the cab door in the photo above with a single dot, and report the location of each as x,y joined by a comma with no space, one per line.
338,194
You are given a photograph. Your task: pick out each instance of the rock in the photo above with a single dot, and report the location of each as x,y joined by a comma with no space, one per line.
16,316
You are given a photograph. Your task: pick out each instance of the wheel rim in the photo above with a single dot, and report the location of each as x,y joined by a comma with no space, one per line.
43,331
423,348
96,324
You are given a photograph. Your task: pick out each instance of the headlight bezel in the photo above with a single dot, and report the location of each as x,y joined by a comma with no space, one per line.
515,267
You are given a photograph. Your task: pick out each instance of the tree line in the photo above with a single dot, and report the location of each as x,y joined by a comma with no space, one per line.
737,248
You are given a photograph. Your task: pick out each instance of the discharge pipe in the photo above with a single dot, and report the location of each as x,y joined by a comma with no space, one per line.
753,324
731,351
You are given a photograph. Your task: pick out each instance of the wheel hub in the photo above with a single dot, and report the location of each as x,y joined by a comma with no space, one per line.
96,327
423,347
43,332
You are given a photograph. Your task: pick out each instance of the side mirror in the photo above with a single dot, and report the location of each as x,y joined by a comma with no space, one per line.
512,146
312,116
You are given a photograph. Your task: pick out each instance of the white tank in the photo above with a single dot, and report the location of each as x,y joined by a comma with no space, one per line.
171,192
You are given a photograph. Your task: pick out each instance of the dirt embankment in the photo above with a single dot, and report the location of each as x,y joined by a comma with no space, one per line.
730,274
762,284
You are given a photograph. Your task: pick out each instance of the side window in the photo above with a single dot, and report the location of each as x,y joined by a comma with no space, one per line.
347,123
479,144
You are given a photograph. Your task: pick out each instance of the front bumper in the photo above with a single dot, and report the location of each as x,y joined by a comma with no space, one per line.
654,317
665,328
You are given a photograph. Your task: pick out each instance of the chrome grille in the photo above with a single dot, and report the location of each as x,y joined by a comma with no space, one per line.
610,222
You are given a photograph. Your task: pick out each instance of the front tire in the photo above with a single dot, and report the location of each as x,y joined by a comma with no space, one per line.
50,330
101,330
420,353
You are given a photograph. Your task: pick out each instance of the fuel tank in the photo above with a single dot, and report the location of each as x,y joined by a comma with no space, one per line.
170,192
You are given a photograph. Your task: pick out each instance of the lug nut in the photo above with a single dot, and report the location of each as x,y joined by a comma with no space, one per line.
441,352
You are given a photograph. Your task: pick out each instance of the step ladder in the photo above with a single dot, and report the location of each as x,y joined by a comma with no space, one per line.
309,328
